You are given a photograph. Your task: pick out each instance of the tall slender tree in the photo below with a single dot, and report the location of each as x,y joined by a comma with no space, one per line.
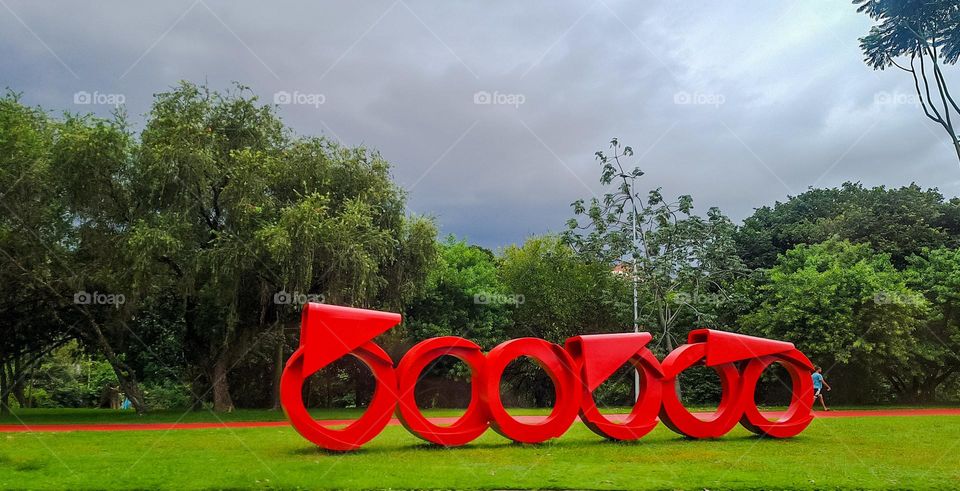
918,37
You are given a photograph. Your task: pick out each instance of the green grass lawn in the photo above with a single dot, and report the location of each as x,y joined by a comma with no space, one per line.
876,452
106,416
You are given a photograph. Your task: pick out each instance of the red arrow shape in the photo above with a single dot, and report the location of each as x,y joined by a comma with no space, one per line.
328,332
603,354
726,347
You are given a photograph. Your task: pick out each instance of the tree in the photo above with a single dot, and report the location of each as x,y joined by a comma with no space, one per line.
464,296
93,160
35,302
562,294
898,221
207,231
244,221
935,358
924,31
844,306
676,256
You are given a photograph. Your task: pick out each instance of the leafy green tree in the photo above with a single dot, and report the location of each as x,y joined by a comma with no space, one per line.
900,221
562,294
918,32
846,308
243,220
94,160
213,226
676,255
34,310
464,296
935,357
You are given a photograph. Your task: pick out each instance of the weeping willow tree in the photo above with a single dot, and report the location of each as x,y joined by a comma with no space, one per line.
216,212
242,220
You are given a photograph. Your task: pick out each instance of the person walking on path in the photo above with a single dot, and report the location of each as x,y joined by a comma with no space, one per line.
818,384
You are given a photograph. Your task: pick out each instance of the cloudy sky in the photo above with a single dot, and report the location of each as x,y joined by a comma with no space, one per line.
491,112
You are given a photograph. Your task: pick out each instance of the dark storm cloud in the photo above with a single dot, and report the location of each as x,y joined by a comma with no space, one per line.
491,113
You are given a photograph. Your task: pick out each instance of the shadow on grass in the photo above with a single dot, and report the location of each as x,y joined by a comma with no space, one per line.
558,444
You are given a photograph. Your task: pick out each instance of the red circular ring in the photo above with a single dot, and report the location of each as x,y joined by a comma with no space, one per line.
473,422
562,371
355,434
798,415
673,413
642,418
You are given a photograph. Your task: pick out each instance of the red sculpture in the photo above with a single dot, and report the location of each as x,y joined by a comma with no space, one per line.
329,332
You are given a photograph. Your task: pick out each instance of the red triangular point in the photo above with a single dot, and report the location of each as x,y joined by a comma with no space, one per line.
603,354
328,332
725,347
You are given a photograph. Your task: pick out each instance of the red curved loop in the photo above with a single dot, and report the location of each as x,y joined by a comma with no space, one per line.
562,371
673,413
329,332
642,418
473,422
798,415
374,419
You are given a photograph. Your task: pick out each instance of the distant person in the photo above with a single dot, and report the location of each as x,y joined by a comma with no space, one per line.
818,384
126,404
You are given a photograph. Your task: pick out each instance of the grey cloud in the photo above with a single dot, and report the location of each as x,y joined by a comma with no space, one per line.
798,106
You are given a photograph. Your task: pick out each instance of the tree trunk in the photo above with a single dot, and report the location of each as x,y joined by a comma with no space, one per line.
4,391
17,379
278,371
125,375
222,402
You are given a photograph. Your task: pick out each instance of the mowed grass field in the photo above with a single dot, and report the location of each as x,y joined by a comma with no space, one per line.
874,452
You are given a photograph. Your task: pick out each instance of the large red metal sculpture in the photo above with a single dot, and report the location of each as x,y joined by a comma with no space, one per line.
576,369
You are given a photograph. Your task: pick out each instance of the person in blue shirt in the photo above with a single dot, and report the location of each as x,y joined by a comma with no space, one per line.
818,384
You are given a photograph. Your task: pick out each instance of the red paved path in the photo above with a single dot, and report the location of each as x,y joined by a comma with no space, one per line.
443,420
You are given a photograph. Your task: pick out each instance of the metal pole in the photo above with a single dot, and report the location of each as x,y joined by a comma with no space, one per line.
636,324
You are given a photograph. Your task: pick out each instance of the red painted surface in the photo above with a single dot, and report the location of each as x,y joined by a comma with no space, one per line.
20,428
329,332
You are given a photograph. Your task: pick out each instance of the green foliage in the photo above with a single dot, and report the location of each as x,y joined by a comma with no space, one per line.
907,27
841,304
678,256
199,221
32,226
899,222
216,208
70,378
563,295
462,297
935,355
924,31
